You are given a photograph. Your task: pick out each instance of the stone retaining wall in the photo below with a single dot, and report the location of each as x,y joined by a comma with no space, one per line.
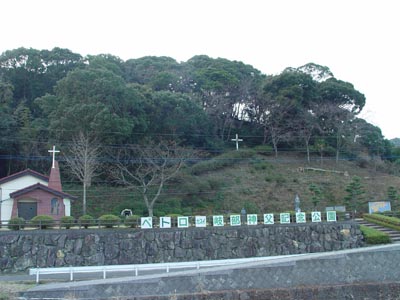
21,250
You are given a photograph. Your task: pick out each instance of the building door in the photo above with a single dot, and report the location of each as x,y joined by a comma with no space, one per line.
27,210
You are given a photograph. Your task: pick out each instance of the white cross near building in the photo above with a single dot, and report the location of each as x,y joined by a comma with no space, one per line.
54,151
237,140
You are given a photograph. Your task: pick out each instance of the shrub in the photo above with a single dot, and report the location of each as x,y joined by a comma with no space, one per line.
262,166
222,161
43,221
132,221
109,221
67,222
159,213
264,149
174,215
16,223
86,221
373,236
382,220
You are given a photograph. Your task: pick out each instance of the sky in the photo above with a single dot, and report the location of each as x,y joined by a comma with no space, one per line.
357,39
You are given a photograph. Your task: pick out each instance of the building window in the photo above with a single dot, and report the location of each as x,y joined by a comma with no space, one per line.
55,206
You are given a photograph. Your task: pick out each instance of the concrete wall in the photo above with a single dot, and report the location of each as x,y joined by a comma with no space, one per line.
364,273
51,248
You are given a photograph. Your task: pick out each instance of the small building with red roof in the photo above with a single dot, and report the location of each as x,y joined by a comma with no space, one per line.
28,193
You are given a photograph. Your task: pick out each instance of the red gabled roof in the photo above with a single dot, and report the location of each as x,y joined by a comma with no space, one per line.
42,187
24,173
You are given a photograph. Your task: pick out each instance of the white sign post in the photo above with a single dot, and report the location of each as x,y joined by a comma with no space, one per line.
146,222
201,221
165,222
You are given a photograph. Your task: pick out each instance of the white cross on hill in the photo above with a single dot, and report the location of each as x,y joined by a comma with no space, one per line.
237,140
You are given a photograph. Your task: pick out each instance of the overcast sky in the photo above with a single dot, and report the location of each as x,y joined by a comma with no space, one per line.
357,39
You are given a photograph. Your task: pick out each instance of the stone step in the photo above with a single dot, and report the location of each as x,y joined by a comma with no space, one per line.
393,234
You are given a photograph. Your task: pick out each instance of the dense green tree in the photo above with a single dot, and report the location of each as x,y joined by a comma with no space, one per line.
144,70
108,62
342,94
33,73
336,124
317,72
369,137
288,96
316,194
54,94
393,196
176,116
7,127
6,117
355,195
164,81
92,101
225,88
339,103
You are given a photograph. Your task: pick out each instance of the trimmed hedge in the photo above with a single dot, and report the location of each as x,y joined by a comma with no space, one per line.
109,221
16,223
373,236
86,221
43,221
382,220
67,222
132,221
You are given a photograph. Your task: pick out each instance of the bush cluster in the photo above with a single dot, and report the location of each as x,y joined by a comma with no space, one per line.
16,223
373,236
132,221
42,221
86,221
390,222
67,222
109,221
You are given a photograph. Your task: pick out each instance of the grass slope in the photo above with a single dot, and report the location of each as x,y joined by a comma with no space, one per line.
260,183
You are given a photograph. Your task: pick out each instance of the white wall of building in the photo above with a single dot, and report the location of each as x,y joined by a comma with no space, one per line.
67,204
6,204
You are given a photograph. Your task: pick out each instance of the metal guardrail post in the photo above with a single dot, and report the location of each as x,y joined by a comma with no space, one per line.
37,276
71,274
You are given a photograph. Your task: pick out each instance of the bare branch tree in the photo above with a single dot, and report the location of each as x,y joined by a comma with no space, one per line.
304,125
83,161
148,167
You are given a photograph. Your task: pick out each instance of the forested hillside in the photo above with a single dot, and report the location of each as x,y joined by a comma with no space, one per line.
59,98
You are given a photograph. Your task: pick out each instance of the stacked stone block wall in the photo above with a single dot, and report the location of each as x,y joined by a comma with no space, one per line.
21,250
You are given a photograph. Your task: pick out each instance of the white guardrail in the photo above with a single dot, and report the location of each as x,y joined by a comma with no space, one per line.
142,267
